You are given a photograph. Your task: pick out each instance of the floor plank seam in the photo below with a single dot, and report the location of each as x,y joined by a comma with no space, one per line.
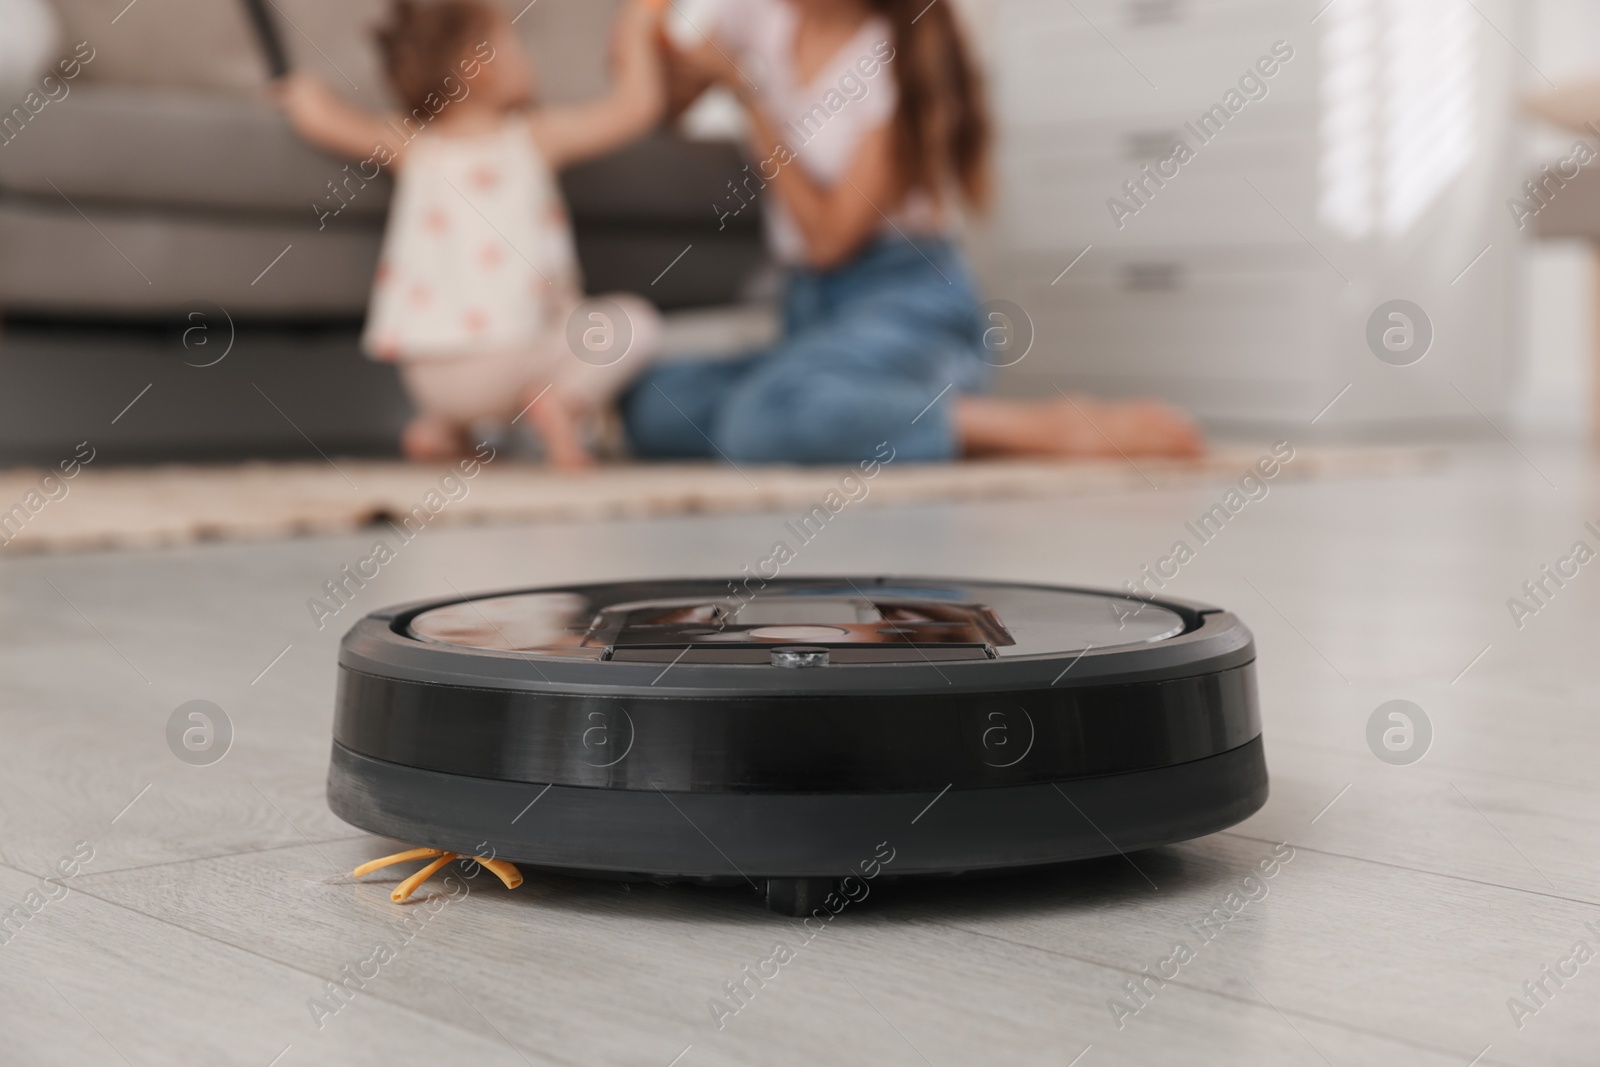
1416,870
1501,775
224,855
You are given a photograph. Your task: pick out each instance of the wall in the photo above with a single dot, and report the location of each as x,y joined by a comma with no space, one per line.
1556,340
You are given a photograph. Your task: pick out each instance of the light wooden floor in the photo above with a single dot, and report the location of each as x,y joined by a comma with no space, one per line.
1414,906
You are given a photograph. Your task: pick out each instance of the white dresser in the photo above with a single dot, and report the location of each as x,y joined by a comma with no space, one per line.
1375,167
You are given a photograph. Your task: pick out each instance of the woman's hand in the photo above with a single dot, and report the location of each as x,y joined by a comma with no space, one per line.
836,220
1571,107
707,65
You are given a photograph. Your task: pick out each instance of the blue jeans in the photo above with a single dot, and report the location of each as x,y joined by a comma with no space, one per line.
874,350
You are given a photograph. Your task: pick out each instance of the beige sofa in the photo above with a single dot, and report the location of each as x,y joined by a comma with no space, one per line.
163,183
193,184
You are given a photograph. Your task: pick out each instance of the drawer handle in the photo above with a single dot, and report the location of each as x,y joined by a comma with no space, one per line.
1147,145
1153,12
1153,277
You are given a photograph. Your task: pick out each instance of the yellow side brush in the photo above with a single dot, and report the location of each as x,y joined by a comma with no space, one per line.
506,872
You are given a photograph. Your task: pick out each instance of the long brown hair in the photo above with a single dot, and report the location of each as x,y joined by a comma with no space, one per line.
421,43
941,126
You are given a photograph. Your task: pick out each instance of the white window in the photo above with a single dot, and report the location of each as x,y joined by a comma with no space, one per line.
1399,94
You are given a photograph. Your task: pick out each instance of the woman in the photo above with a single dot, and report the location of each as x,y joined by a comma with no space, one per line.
868,128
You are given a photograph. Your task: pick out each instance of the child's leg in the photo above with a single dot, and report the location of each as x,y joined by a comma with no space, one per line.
581,388
594,380
430,439
557,422
435,433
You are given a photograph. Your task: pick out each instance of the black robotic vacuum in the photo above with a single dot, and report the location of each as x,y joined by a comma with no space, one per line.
790,732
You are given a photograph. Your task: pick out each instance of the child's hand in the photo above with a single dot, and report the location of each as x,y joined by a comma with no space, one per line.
569,133
301,95
322,116
633,36
636,56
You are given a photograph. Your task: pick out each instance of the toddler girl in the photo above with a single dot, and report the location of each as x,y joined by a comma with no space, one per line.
478,278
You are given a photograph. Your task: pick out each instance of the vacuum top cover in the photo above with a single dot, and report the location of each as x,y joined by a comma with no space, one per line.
881,623
791,634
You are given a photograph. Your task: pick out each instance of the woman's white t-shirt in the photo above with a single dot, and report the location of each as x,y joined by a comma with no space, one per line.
822,121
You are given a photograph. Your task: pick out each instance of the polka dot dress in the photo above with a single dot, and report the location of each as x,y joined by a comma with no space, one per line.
478,252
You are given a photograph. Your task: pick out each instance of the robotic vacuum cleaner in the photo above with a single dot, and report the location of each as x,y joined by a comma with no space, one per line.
790,733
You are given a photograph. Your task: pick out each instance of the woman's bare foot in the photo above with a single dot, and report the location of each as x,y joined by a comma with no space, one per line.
430,440
1074,426
555,424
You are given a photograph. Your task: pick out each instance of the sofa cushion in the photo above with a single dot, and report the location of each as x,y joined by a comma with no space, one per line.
143,263
201,189
215,151
208,44
173,148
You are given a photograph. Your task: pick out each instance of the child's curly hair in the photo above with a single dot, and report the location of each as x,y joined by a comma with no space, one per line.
422,42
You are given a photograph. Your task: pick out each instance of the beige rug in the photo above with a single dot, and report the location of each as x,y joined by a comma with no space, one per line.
139,507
